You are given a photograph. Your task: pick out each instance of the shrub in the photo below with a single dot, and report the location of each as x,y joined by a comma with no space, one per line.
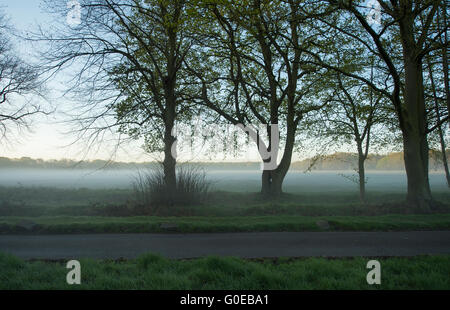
192,188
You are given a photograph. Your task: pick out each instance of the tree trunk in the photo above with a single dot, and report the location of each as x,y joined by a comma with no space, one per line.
362,177
170,83
439,127
445,58
169,163
169,140
447,93
444,156
414,129
416,165
272,180
272,183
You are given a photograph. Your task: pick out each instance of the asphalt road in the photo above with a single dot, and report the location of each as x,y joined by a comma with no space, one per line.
249,245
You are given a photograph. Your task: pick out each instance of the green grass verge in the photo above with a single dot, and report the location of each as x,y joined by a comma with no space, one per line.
42,201
155,273
153,224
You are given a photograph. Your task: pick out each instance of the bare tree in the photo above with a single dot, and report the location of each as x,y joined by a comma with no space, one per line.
17,80
125,58
401,42
357,115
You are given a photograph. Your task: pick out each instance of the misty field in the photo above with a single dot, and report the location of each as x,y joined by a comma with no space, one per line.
224,180
215,224
81,201
40,201
233,205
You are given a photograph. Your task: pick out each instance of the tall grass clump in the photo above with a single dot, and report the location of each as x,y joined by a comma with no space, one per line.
192,187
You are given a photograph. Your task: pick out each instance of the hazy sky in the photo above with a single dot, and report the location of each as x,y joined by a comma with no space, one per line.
49,138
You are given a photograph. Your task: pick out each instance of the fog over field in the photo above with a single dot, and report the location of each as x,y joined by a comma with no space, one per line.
242,181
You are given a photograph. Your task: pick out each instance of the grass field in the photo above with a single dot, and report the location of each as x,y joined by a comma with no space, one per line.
157,273
52,210
155,224
42,201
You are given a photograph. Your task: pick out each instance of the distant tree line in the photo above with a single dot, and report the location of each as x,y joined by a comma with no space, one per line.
349,161
337,161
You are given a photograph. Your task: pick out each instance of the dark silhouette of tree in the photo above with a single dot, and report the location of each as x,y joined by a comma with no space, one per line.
126,57
401,41
251,72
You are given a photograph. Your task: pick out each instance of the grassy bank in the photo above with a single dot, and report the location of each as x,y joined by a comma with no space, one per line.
155,224
154,272
42,201
53,210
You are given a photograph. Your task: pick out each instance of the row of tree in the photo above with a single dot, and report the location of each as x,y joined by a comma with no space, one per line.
314,68
332,162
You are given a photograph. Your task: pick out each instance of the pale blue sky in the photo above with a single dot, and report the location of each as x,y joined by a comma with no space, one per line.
23,12
48,138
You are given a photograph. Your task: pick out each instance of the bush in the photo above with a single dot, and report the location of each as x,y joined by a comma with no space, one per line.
192,188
